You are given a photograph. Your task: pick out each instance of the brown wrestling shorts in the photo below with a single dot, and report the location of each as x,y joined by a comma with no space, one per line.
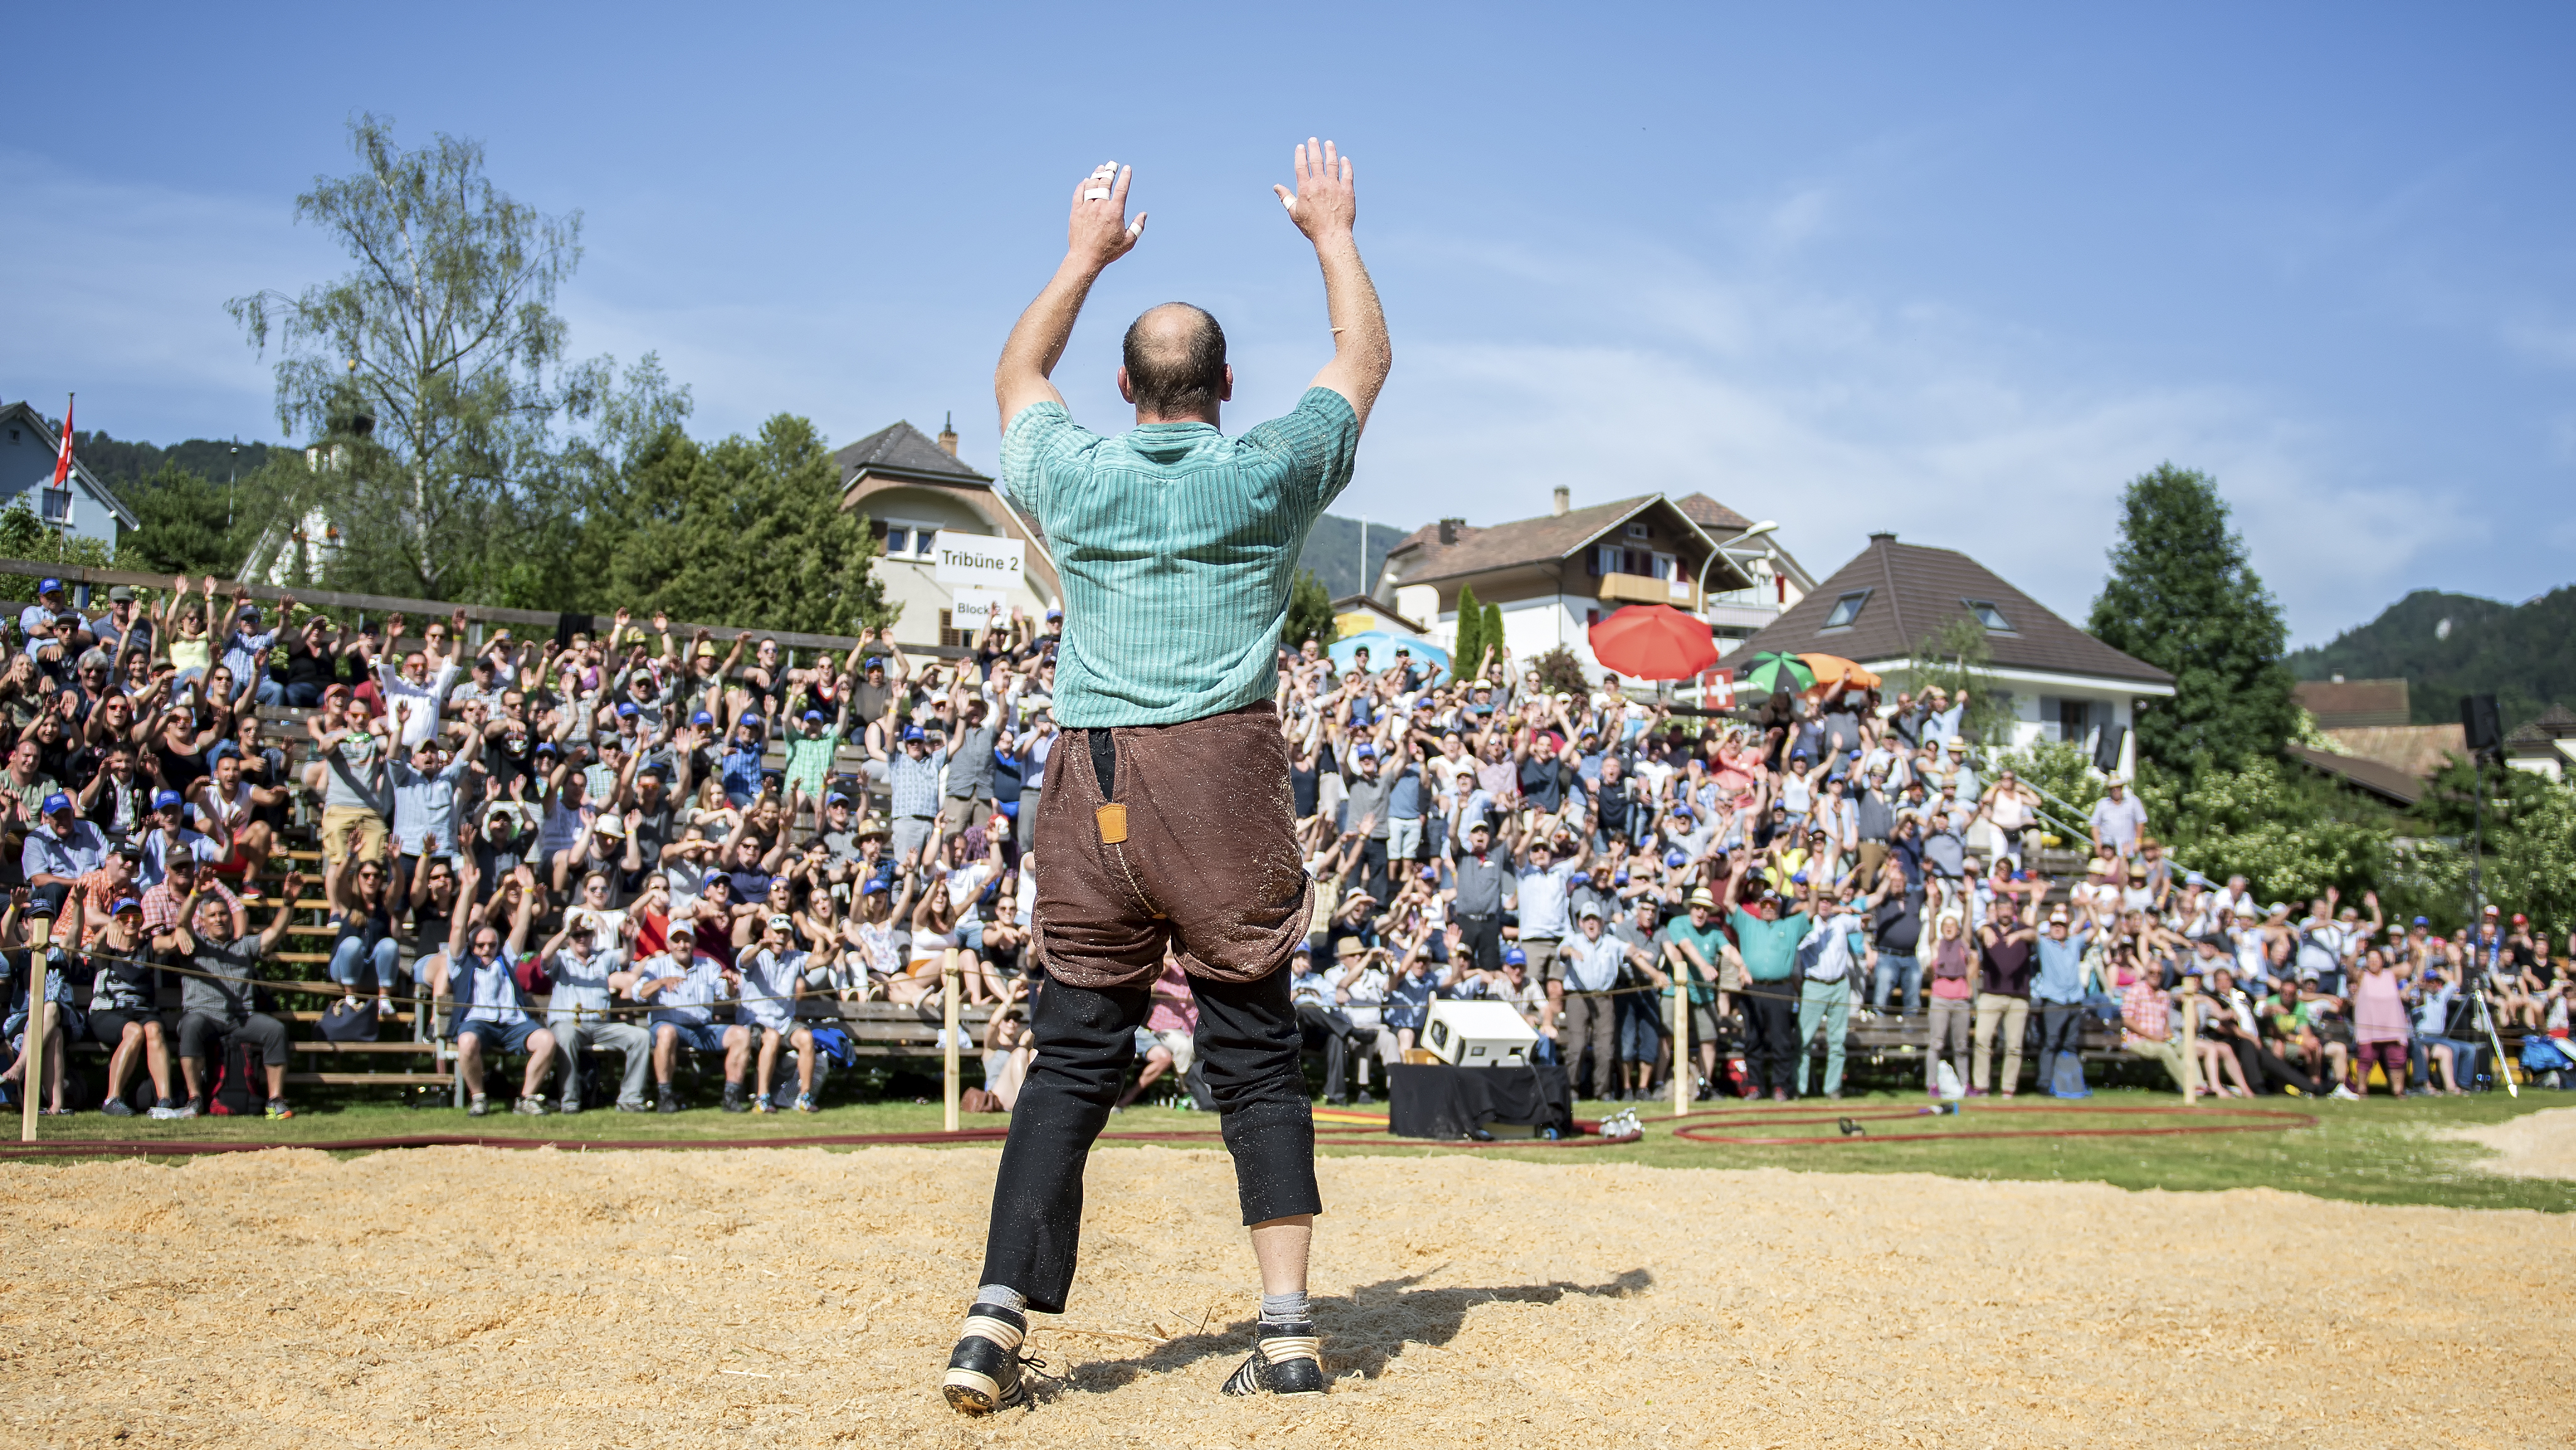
1197,847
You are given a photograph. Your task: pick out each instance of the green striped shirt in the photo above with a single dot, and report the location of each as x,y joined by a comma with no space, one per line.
1176,545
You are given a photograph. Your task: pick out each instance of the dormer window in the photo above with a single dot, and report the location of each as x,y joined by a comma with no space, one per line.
1989,616
1846,609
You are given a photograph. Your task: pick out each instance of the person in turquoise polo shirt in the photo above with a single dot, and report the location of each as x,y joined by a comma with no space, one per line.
1166,826
1767,938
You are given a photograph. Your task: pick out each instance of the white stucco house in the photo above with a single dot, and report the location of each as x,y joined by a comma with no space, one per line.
1875,611
85,509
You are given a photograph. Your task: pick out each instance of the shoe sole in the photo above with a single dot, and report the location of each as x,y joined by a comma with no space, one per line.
973,1394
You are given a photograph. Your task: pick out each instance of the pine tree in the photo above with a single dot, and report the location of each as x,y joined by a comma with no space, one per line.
2183,598
1470,643
1310,612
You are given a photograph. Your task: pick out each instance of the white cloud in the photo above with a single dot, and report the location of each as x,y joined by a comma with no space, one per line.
1839,415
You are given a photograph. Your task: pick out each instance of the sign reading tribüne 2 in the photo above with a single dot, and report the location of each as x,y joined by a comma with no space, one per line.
976,561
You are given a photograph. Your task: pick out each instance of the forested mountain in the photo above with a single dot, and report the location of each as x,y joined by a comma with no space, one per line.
2448,645
123,466
1333,552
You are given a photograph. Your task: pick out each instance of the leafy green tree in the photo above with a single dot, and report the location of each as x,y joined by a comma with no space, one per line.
748,531
2529,852
24,536
1559,671
1310,612
187,524
436,368
1470,646
1954,657
2290,833
2183,598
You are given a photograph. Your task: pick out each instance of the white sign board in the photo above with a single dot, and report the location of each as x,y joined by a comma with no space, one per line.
974,609
976,561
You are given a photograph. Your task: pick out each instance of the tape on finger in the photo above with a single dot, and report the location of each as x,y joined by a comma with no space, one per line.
1097,193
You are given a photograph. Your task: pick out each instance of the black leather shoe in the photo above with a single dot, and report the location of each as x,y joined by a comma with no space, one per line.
984,1369
1286,1359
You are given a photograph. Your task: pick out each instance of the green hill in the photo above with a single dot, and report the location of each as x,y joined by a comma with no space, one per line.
122,465
1333,552
2448,645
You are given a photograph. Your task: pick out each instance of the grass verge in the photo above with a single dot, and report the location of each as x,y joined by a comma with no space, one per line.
2379,1151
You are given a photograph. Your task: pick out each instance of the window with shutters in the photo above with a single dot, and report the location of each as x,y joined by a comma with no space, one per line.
950,636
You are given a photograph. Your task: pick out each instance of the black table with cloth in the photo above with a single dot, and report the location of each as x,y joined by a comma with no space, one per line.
1434,1100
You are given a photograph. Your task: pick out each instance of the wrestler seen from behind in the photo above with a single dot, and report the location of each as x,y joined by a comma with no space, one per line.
1167,818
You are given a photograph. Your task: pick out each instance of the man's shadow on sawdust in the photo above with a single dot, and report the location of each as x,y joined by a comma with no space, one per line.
1430,1316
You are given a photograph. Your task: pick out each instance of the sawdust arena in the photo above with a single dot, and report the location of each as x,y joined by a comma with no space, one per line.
468,1296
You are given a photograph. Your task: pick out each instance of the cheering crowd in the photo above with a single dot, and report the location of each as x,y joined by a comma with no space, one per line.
592,860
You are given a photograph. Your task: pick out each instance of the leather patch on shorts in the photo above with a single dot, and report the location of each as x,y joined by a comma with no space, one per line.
1112,819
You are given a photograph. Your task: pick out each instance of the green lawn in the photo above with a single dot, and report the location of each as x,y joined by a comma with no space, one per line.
2379,1151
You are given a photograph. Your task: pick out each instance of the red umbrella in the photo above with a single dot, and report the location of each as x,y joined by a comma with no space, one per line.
1653,642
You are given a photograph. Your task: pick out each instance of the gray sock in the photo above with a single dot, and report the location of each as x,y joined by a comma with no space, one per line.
1003,1295
1285,1308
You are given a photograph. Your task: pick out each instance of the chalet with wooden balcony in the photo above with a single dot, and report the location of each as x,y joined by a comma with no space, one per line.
1557,576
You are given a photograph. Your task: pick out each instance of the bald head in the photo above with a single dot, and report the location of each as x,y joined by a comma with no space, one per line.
1175,365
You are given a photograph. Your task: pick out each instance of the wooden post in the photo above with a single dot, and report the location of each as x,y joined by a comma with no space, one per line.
2190,1042
949,983
1682,1059
39,933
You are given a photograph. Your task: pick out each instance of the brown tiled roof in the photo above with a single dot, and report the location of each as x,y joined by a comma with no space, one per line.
1507,546
1711,515
2384,781
2341,703
2557,722
2414,749
1913,590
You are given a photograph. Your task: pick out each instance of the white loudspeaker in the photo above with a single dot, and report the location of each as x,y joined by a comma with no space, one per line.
1478,1034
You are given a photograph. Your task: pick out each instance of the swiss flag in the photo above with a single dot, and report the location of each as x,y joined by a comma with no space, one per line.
63,455
1717,689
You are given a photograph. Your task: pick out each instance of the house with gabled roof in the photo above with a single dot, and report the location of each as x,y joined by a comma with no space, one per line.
85,509
1880,609
2546,746
912,487
1555,577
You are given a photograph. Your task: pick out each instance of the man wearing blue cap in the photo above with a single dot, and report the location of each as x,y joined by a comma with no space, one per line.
1170,826
61,849
913,777
38,618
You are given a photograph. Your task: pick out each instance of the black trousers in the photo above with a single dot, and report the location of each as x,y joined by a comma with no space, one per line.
1771,1014
201,1032
2264,1067
1326,1030
1483,939
1248,1042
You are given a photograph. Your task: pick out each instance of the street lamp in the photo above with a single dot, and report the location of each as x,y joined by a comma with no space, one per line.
1756,531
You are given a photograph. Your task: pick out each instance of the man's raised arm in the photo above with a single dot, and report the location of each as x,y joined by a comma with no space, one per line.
1098,235
1324,206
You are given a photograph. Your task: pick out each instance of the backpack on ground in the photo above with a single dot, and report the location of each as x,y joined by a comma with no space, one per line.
1945,1081
241,1087
2067,1080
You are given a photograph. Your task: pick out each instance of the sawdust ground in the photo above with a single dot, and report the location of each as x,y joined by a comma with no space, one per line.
791,1297
2535,1145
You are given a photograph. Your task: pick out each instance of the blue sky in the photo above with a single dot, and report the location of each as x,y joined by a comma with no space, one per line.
1958,272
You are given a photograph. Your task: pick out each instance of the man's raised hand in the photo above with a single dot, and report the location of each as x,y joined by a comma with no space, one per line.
1324,203
1100,232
